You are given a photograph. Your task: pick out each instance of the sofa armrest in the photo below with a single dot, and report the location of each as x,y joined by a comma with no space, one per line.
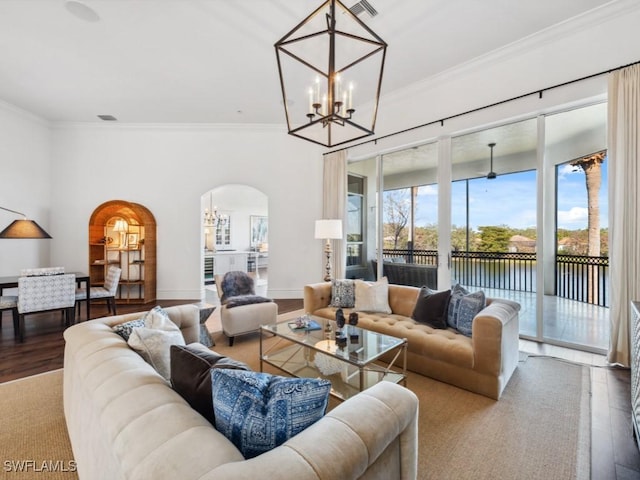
376,430
317,296
494,335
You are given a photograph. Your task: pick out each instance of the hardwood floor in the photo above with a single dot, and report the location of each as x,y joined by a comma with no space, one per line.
614,453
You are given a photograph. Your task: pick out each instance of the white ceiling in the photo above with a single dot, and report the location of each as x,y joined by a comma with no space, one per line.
213,61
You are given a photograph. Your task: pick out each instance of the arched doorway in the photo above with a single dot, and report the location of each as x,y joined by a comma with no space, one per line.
234,235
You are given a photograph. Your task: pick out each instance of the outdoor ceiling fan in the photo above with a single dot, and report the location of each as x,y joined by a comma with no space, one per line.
491,175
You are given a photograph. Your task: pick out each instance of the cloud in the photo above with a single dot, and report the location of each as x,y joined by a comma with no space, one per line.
576,217
568,169
431,190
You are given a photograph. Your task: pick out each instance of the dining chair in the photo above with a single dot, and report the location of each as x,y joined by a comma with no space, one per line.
10,302
106,292
45,293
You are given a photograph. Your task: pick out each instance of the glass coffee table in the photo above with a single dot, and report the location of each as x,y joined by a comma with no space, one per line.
352,365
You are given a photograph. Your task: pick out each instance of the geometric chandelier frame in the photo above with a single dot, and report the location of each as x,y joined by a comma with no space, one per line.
326,63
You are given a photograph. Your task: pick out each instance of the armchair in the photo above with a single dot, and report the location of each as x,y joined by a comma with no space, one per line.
242,310
45,293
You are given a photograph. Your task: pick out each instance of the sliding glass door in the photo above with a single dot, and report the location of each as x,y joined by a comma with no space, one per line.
510,210
493,215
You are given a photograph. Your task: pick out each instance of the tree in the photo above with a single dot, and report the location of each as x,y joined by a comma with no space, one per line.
592,167
494,238
397,206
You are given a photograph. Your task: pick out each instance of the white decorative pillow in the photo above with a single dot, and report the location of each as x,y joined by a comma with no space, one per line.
372,297
154,340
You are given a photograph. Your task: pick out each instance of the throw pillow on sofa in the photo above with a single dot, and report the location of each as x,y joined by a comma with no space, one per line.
463,307
372,297
432,307
343,293
153,340
125,329
191,374
259,411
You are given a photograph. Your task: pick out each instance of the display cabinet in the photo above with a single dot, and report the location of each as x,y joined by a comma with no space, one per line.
123,233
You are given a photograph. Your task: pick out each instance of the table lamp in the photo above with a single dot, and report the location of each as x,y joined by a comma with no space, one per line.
328,229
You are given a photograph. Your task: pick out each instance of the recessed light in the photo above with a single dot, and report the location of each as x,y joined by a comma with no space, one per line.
81,11
108,118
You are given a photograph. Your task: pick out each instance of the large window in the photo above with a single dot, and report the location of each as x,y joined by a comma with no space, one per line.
355,221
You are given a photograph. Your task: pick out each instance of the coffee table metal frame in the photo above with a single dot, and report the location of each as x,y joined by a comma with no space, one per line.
358,364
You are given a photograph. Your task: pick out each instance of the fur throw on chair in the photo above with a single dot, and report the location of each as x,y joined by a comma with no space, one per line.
238,289
236,283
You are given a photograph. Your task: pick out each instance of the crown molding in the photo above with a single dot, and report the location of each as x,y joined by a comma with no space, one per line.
169,126
592,18
27,115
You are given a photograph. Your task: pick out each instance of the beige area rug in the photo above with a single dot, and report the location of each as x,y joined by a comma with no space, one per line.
540,428
33,437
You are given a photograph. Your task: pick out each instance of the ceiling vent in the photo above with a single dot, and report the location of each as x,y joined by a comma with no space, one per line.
363,6
107,118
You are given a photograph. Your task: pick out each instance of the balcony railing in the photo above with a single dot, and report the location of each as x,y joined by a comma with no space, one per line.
580,278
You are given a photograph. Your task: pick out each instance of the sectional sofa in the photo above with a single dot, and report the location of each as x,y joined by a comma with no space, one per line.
482,363
126,422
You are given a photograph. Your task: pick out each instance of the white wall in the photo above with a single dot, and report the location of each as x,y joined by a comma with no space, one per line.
24,186
167,169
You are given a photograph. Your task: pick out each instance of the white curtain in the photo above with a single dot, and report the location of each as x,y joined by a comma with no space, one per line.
334,204
624,206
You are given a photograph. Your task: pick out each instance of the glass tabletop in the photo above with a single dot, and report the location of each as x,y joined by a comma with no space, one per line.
357,346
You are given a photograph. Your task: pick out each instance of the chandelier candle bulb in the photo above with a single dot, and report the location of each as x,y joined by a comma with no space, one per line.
350,107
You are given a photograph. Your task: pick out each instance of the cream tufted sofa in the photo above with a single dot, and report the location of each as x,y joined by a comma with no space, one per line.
126,422
482,364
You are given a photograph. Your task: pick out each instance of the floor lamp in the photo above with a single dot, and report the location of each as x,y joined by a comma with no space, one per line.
24,228
328,229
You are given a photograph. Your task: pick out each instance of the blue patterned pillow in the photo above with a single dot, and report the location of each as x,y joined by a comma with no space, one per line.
463,307
125,329
343,293
260,411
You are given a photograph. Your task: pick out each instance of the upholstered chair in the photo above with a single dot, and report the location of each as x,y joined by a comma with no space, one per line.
10,302
242,310
44,293
106,292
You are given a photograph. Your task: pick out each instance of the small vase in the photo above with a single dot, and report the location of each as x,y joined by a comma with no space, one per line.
353,318
340,319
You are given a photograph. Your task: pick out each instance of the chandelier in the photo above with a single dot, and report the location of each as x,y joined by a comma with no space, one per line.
326,63
211,216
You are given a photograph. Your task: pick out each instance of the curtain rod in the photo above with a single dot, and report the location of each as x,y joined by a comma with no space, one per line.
538,92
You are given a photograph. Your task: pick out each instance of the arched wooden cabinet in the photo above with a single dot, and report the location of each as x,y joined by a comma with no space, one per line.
124,234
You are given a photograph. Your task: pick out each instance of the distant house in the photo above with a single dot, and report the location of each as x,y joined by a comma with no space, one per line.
522,244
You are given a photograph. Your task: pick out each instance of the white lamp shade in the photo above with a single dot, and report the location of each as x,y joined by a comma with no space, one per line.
328,229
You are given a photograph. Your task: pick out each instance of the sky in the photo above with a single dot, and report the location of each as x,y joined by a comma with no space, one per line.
510,200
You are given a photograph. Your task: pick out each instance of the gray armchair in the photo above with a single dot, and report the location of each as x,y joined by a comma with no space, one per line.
44,293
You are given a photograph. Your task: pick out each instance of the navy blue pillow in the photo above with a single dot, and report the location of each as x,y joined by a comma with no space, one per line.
260,411
463,307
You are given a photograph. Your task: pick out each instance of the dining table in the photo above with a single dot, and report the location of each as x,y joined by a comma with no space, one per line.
81,277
